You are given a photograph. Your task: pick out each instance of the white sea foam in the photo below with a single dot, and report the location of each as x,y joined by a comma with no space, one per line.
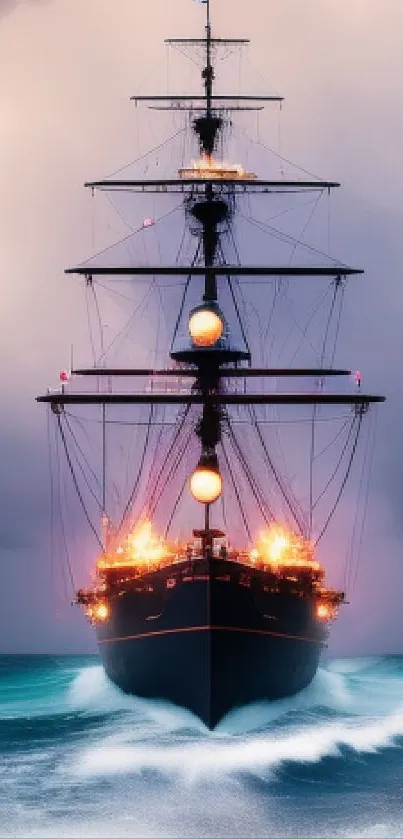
336,711
212,756
327,691
379,830
346,694
92,692
351,665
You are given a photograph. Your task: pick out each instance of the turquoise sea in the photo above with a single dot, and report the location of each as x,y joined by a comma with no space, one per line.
80,759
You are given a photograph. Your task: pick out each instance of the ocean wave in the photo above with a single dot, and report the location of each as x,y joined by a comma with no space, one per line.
345,707
338,711
212,756
85,760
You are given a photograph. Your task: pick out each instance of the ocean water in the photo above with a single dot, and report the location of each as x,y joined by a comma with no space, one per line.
80,759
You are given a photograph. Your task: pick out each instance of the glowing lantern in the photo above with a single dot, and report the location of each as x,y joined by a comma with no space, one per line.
323,612
206,481
101,612
206,485
206,326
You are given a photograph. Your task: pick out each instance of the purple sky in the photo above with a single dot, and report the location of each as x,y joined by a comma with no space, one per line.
68,68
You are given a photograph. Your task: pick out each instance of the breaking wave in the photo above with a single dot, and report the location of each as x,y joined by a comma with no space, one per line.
80,757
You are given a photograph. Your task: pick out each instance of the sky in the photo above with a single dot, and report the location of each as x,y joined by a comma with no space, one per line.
67,70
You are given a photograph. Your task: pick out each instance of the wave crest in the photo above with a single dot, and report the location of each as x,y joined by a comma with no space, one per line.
338,711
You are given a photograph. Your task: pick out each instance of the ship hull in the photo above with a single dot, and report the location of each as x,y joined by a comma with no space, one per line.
210,641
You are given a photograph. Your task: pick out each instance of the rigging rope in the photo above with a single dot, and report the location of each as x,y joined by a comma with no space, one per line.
149,152
238,314
154,460
276,154
185,291
88,485
58,510
274,471
171,472
91,334
333,441
287,238
175,507
236,491
52,518
312,505
86,461
126,238
230,233
346,477
367,464
224,513
98,312
75,482
63,510
338,322
234,300
255,488
129,323
329,320
304,229
118,212
304,331
173,443
338,464
62,524
311,475
139,471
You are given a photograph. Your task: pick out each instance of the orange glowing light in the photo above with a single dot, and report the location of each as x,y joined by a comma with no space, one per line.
279,547
207,167
205,327
206,485
323,612
140,548
143,546
101,612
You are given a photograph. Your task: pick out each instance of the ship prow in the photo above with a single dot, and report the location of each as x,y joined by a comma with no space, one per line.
211,634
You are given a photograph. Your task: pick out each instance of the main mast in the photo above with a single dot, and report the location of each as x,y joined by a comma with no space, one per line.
206,323
208,72
207,128
210,197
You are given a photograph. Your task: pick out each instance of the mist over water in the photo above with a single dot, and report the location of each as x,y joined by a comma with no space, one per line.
79,758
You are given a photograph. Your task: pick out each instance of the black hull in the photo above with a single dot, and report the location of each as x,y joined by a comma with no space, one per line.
212,641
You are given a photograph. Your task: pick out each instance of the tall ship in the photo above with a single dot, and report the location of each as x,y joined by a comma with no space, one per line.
208,589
